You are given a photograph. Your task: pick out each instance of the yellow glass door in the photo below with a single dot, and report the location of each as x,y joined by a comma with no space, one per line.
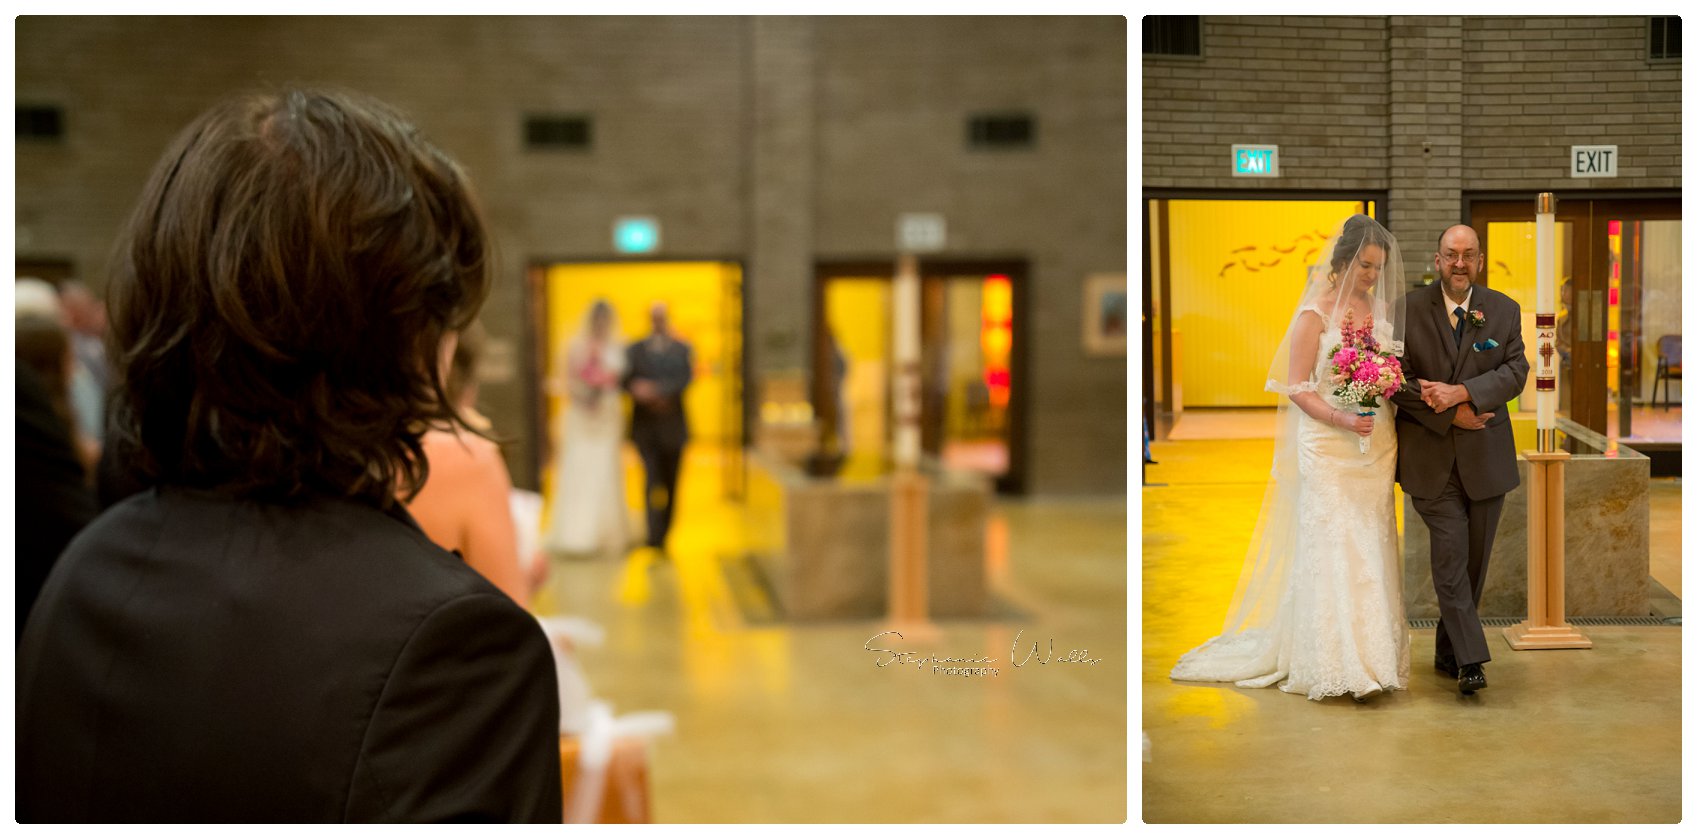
1237,269
703,302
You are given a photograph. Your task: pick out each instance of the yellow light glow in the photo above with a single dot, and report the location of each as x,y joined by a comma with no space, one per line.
1219,707
998,301
995,337
695,294
858,311
634,587
1612,344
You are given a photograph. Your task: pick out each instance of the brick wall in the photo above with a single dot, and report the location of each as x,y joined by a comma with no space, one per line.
784,124
1426,135
1425,108
773,142
1535,86
1315,86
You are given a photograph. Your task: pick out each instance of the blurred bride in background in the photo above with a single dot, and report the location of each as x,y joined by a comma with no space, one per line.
588,513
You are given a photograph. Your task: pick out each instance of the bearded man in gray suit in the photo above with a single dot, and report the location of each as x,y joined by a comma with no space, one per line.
1463,361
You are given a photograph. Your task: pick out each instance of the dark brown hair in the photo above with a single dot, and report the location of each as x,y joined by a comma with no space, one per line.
44,346
1358,232
281,294
462,372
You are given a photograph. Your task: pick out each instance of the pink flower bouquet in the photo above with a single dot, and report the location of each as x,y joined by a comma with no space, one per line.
1360,371
597,377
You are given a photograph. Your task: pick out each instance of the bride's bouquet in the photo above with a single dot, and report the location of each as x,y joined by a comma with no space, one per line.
597,377
1361,371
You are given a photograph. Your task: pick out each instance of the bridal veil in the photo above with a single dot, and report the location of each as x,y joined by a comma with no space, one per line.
1357,275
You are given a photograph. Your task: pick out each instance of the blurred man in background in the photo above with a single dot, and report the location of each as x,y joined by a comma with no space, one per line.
656,374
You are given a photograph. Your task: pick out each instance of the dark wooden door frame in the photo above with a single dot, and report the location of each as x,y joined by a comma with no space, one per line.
1146,413
1015,268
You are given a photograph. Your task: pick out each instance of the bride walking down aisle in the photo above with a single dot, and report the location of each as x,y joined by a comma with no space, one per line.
1318,608
588,511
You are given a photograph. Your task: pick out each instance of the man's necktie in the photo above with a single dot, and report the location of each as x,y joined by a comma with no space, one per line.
1460,318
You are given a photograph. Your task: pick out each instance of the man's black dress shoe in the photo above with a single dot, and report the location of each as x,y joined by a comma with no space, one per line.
1472,678
1446,665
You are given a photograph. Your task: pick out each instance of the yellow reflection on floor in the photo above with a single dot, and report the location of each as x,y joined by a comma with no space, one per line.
1559,736
634,588
782,722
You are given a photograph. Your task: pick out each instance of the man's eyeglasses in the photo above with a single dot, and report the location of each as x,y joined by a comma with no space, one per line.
1452,258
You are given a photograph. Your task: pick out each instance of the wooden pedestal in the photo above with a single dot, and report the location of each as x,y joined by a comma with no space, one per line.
909,592
1546,627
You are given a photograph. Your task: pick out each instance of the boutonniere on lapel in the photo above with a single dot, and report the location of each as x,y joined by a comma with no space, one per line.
1487,344
1476,319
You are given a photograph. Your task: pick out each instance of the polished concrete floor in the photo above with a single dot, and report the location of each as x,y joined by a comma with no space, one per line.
1649,424
796,722
1559,736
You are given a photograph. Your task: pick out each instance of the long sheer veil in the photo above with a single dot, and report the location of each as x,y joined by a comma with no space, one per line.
582,343
1357,276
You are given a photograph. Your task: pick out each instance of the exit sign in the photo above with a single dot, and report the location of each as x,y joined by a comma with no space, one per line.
636,234
921,232
1595,161
1255,161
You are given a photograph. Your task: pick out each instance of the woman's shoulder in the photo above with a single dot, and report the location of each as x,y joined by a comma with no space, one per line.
464,471
460,451
1323,303
1315,315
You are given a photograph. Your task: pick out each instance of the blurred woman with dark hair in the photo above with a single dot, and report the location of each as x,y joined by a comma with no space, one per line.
266,634
54,497
44,347
465,506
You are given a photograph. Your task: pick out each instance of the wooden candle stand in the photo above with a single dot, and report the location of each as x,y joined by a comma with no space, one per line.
1546,627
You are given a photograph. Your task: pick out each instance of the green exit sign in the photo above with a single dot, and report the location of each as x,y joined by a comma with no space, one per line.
1255,161
636,234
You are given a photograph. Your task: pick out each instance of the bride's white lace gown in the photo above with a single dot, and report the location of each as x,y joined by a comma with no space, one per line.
1340,626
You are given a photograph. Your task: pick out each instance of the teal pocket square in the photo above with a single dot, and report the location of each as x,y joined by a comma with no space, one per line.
1490,344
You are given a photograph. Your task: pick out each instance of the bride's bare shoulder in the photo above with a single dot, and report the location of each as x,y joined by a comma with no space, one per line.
1309,322
1322,306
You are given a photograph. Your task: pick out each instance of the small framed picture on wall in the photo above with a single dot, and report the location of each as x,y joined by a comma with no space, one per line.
1106,314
